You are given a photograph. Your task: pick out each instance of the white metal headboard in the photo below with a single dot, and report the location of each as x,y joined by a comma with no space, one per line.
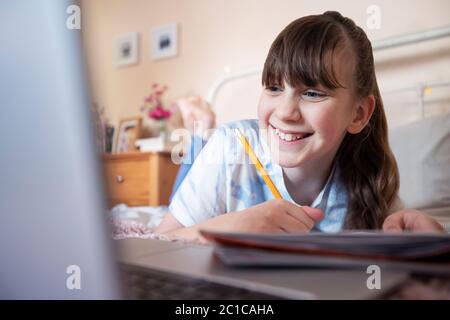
377,46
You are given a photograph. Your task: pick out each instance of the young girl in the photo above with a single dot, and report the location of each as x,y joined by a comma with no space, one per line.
321,135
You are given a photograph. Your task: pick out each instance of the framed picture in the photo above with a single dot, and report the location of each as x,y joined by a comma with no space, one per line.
164,41
126,49
128,132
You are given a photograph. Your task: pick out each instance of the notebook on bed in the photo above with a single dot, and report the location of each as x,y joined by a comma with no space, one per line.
338,249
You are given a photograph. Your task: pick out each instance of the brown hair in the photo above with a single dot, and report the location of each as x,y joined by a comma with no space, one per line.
300,55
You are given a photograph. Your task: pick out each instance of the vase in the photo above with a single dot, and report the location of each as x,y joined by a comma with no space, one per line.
163,130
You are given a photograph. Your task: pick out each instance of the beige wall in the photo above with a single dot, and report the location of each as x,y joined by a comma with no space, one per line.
215,35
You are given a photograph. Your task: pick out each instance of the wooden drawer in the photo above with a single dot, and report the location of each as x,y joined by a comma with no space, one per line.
139,179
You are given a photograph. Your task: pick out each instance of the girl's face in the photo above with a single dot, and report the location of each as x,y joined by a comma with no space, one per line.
308,123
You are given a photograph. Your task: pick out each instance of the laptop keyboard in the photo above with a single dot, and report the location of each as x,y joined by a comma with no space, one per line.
143,283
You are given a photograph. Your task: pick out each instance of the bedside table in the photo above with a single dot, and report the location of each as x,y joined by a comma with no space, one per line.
139,178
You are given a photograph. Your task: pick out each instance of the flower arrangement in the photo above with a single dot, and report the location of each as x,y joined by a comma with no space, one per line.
153,107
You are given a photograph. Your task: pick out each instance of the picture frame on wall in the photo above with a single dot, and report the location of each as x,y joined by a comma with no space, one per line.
126,49
164,41
128,131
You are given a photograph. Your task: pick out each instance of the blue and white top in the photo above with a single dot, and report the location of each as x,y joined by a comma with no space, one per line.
223,179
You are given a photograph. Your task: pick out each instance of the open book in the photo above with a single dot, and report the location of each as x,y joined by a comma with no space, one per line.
314,248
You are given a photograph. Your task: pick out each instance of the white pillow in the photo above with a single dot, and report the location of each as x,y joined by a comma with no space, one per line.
422,150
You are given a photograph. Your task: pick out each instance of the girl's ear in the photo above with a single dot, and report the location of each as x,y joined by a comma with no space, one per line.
362,112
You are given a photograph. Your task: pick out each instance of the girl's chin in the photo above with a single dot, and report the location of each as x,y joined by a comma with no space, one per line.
288,160
289,164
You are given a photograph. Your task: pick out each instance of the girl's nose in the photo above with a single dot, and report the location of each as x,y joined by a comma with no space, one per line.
289,110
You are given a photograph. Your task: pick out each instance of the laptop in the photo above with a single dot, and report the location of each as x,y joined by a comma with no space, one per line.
55,238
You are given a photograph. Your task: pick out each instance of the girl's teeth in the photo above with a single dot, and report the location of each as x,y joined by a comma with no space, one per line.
286,136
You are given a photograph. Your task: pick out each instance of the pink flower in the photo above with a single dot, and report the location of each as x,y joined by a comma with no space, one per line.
153,105
159,113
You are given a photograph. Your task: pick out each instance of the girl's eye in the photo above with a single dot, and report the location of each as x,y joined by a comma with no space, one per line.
274,89
314,95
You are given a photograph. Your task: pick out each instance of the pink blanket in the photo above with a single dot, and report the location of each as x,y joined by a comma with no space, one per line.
124,228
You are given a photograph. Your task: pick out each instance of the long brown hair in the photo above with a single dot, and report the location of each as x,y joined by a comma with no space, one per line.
300,55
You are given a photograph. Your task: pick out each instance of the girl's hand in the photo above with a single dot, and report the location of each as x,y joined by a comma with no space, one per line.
273,216
411,220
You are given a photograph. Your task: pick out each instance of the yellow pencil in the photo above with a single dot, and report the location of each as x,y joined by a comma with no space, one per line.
258,164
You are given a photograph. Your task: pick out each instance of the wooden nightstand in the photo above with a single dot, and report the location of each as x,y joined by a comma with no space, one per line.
139,178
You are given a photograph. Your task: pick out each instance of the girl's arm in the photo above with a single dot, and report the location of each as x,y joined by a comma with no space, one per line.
272,216
172,227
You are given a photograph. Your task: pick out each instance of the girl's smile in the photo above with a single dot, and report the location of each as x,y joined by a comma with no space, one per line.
288,139
290,136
